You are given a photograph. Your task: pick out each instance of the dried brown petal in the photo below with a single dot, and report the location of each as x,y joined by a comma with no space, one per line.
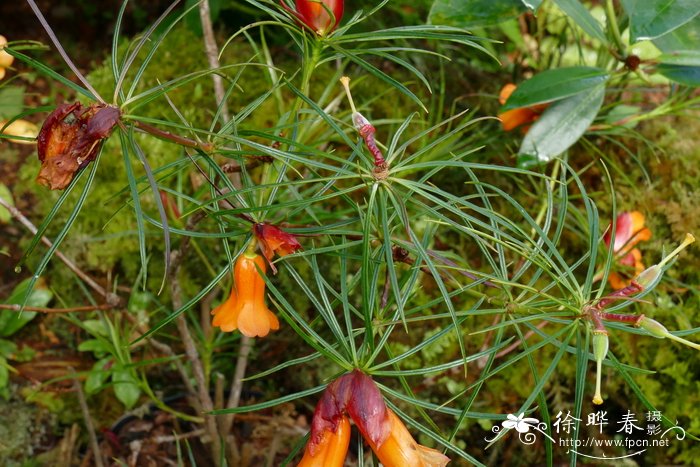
70,138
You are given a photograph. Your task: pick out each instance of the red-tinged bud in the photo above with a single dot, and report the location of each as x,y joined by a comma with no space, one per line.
355,394
368,409
273,240
314,14
70,139
330,410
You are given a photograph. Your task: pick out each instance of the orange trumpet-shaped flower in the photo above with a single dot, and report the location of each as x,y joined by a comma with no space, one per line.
629,230
511,119
245,309
356,395
401,450
331,447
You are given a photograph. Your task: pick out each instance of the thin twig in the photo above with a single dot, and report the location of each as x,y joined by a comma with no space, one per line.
88,423
181,140
13,307
172,438
110,298
213,56
188,342
234,396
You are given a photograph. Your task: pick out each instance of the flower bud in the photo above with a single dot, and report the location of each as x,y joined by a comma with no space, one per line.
653,327
600,350
5,58
649,276
658,330
20,128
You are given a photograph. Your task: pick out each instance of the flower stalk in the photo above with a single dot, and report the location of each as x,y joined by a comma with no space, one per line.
366,131
600,351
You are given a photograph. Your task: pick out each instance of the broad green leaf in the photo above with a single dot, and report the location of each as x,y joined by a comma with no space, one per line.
650,19
11,322
554,85
11,101
474,13
681,58
583,18
688,75
7,348
97,376
126,387
7,196
95,327
99,347
531,4
560,126
680,61
620,113
687,37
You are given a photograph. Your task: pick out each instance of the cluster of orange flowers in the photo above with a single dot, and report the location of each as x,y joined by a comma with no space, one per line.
355,396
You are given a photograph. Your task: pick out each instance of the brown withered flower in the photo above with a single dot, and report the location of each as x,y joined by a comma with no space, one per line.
70,138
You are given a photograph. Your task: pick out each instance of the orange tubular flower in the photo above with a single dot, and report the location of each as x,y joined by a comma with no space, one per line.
355,394
511,119
245,309
314,14
401,450
629,231
330,449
